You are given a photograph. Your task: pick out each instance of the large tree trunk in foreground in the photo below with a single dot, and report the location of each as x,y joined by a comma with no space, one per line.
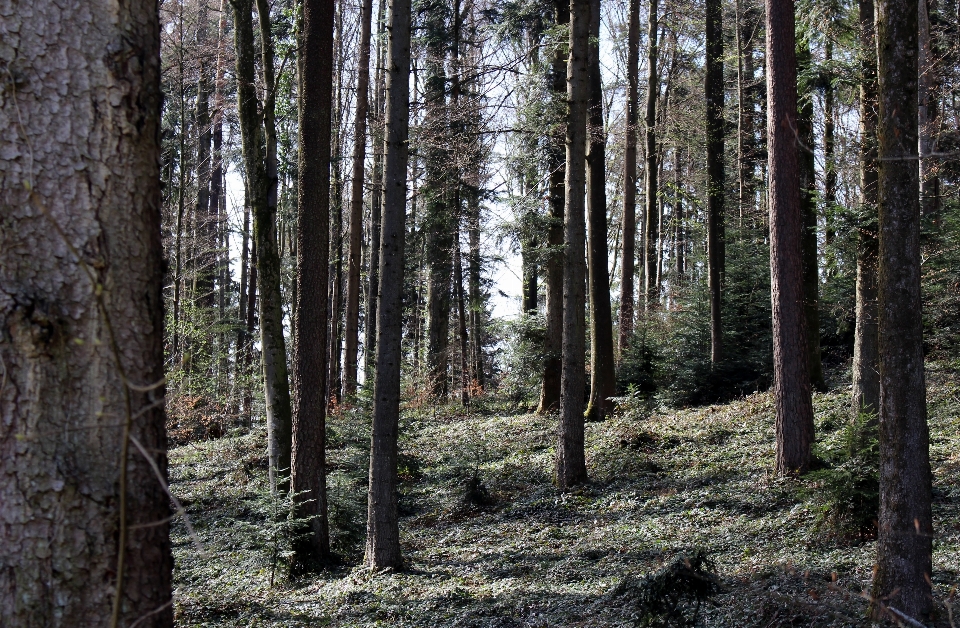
352,332
905,538
716,231
571,465
630,181
603,379
552,365
383,531
791,378
308,467
866,373
85,538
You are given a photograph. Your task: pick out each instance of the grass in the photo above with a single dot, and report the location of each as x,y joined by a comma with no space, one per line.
523,554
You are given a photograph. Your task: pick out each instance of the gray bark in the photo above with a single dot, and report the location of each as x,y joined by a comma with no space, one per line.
904,541
383,532
85,534
571,465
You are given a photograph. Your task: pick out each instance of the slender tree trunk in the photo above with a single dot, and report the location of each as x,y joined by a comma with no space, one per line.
203,276
794,406
376,196
260,166
866,373
461,320
181,194
308,471
927,114
571,465
83,464
383,533
630,180
681,237
356,203
829,158
716,232
808,209
552,350
438,221
603,380
651,290
476,302
904,542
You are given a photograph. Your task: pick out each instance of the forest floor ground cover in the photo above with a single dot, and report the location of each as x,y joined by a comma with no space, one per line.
489,541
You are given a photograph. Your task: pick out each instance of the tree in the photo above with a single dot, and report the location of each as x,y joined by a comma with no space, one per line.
791,387
260,164
85,539
866,373
352,332
383,532
603,379
630,180
808,210
651,291
716,232
552,350
571,465
308,466
439,220
904,540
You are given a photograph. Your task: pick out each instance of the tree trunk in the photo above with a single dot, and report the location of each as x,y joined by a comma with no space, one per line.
260,166
83,465
716,232
829,159
808,209
571,465
203,273
904,542
356,204
794,406
651,291
866,373
376,195
927,115
627,272
438,219
603,379
476,302
461,320
383,533
552,350
308,470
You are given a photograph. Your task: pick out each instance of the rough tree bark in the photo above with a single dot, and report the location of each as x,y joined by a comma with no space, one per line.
308,467
352,332
571,464
85,538
716,232
603,379
791,378
383,532
905,537
866,373
552,350
629,249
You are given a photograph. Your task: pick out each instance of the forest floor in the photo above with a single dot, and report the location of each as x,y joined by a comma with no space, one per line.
489,541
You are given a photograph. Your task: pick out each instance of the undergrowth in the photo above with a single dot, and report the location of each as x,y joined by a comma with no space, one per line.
489,541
